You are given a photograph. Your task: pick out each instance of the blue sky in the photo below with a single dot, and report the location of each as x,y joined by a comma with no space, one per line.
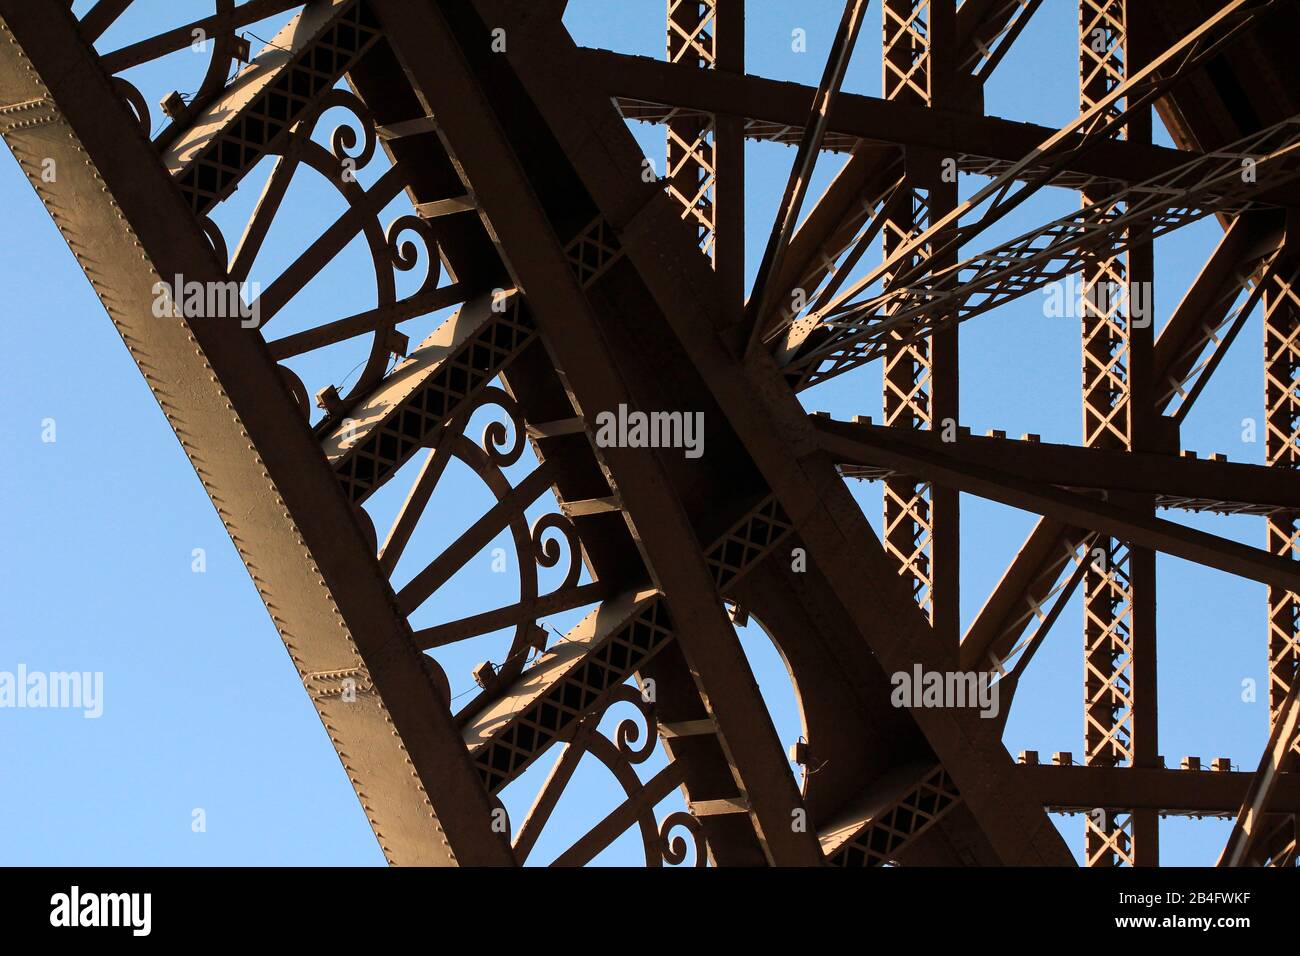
202,708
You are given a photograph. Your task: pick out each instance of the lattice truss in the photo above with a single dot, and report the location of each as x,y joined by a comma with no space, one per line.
1282,450
1277,841
691,153
919,376
908,386
1112,288
531,281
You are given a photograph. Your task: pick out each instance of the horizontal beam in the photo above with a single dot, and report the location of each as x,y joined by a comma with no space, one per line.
1079,788
1176,482
868,448
780,110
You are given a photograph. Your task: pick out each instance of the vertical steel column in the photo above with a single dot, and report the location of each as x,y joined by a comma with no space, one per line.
705,152
692,171
920,376
729,161
1282,450
1119,584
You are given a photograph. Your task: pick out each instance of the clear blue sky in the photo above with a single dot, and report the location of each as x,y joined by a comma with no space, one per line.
202,708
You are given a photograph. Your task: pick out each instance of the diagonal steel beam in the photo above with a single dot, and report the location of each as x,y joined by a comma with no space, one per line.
542,394
178,38
102,16
1281,755
656,259
889,817
259,106
989,28
1093,125
406,409
805,159
447,68
855,332
1050,546
224,397
569,682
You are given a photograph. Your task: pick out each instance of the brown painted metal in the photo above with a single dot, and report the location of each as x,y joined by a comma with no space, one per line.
884,450
774,111
581,286
1174,481
246,439
1257,831
558,270
645,224
922,522
1119,586
805,159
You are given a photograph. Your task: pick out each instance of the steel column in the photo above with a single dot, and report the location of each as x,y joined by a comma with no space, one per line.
1119,583
705,150
1282,450
921,522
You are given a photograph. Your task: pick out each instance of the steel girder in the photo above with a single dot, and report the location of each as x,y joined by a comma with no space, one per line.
921,520
645,225
1119,591
222,394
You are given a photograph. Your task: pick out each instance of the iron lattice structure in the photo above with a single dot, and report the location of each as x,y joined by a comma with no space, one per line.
581,285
